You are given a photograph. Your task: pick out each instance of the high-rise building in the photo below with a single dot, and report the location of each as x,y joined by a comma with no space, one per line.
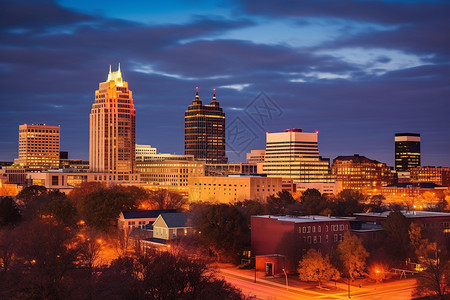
204,131
361,173
112,135
295,154
38,147
407,151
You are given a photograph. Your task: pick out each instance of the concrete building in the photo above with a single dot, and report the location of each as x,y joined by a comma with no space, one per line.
232,189
143,151
112,135
230,169
290,236
437,175
409,193
256,156
204,131
363,174
325,188
38,147
295,154
407,151
170,172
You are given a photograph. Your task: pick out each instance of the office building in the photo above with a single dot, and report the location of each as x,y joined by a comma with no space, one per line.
38,147
437,175
204,131
112,135
295,154
169,173
407,151
362,174
233,188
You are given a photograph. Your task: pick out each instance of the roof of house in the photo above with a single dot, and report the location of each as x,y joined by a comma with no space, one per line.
303,219
156,241
143,214
175,219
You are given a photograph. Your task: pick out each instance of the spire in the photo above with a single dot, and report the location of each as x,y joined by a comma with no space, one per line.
119,68
214,96
109,74
196,93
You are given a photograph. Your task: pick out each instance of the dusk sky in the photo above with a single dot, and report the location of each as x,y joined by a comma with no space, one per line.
356,71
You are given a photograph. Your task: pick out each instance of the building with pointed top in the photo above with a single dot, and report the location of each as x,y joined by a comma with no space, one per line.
112,131
204,131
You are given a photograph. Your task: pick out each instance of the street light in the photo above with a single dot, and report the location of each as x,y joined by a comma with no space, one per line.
287,286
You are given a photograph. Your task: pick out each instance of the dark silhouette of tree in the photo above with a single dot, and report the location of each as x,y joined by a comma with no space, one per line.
250,208
315,267
434,280
9,211
397,242
280,204
101,208
352,256
313,203
347,202
224,230
61,210
165,199
29,193
162,275
78,193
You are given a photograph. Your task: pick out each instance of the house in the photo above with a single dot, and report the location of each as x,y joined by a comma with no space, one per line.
129,219
168,226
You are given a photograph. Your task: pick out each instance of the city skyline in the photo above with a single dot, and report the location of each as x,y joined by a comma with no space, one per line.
358,73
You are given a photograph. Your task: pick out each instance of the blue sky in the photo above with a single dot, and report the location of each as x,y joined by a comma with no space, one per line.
356,71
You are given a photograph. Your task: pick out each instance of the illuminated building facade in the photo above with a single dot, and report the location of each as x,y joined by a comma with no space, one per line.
38,147
233,188
407,151
112,135
204,131
170,172
438,175
361,173
295,154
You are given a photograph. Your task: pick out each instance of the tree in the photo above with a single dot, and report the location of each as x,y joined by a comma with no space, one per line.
162,275
280,204
313,203
396,228
100,209
250,208
9,211
315,267
352,256
434,281
347,202
29,193
62,211
224,230
165,199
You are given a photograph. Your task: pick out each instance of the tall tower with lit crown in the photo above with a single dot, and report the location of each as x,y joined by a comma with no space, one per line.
112,132
204,131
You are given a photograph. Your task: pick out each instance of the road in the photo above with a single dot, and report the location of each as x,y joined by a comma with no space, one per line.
267,290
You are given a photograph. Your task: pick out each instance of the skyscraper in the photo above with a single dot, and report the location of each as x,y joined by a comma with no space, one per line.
112,134
295,154
407,151
204,131
38,146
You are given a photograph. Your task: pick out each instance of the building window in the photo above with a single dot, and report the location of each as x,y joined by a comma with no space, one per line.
326,238
309,239
309,229
315,239
304,229
54,180
335,237
341,227
326,228
314,229
320,239
318,229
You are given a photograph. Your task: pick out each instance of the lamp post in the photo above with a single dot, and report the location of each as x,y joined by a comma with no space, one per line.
285,274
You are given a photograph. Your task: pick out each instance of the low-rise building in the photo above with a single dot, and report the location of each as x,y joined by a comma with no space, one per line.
363,174
437,175
325,188
290,236
169,172
129,219
233,188
230,169
410,193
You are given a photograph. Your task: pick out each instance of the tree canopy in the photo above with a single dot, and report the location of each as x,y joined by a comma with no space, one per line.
352,256
315,267
313,203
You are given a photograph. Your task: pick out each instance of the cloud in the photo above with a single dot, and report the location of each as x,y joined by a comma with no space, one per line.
238,87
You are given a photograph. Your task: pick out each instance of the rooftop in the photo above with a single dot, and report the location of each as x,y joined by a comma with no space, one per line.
175,219
407,214
304,219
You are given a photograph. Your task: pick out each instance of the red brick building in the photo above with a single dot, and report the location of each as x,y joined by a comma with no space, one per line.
290,236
